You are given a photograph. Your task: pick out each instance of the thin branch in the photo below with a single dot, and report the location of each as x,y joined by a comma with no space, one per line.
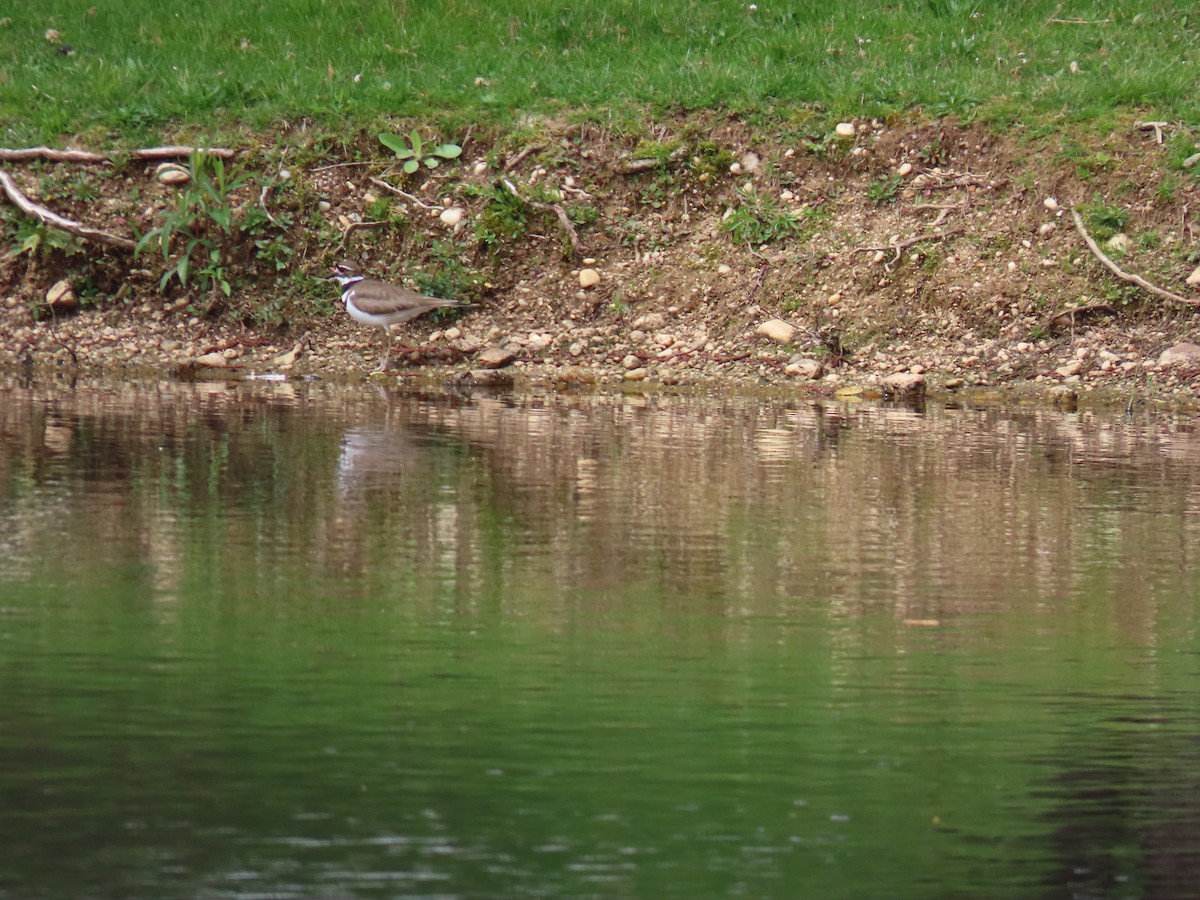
357,226
1078,21
341,165
407,196
519,158
85,156
563,219
262,201
54,220
1121,273
634,166
900,246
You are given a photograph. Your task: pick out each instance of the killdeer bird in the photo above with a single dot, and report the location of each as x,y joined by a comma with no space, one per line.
381,304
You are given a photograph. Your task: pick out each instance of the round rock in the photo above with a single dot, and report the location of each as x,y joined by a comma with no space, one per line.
777,330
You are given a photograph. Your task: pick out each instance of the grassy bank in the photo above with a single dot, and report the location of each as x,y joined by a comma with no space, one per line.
135,69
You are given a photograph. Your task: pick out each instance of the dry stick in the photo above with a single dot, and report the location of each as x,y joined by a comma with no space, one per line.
341,165
407,196
634,166
357,226
901,246
85,156
1121,273
563,219
520,157
54,220
262,201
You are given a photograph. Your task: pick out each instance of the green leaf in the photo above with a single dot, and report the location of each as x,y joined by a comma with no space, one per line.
411,166
449,151
396,144
431,161
416,143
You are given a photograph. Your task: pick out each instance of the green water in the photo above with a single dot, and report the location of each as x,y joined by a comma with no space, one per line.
326,641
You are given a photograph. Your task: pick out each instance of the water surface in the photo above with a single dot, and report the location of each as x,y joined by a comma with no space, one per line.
325,641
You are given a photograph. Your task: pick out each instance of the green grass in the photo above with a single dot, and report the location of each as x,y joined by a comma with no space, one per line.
141,68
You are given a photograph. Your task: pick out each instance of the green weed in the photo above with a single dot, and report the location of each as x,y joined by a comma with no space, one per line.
884,189
1104,220
34,237
760,220
414,151
504,217
201,219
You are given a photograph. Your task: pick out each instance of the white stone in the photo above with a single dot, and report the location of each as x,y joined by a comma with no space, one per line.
588,278
1051,204
1193,280
480,167
452,216
905,169
904,384
845,129
172,173
724,269
804,367
777,330
212,361
62,296
1185,352
1120,242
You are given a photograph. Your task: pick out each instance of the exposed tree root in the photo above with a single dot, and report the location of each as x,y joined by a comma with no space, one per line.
54,220
1121,273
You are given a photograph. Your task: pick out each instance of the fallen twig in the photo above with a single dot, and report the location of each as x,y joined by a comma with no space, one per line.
634,166
357,226
1078,21
938,179
1156,127
563,219
86,156
54,220
342,165
519,158
407,196
262,201
900,246
1121,273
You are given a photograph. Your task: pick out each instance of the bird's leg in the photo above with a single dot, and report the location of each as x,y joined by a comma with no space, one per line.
387,350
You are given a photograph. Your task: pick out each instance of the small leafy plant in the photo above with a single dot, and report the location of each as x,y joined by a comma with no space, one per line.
199,218
1104,219
33,237
414,151
884,189
759,220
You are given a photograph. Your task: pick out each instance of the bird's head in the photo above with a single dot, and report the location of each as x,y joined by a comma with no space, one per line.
345,272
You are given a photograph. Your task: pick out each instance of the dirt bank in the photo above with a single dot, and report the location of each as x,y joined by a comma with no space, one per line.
923,249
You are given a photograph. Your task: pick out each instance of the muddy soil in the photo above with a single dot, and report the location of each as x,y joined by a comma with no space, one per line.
717,253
